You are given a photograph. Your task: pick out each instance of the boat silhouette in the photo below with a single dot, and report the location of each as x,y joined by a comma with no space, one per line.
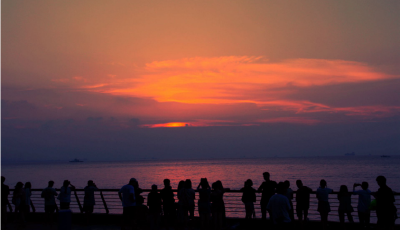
76,160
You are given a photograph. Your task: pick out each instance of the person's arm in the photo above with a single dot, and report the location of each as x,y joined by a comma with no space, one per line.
261,187
132,197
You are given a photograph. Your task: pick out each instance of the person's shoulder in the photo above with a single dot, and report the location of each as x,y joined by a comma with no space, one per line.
283,197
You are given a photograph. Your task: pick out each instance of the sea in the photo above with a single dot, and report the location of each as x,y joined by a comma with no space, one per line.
337,171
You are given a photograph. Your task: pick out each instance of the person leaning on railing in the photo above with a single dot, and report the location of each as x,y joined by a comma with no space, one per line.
364,200
323,202
50,205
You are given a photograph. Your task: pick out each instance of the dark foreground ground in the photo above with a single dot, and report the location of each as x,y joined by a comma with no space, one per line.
112,222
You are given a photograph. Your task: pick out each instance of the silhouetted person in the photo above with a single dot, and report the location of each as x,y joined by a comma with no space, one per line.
50,205
289,195
18,200
154,203
182,201
385,208
279,207
364,200
28,194
127,195
191,197
248,198
5,191
204,203
345,207
267,189
65,194
139,198
218,205
323,202
168,202
141,210
302,201
88,200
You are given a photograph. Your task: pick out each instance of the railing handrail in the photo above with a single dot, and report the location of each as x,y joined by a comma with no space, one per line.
175,190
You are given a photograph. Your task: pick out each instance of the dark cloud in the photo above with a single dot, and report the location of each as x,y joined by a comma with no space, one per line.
385,92
13,109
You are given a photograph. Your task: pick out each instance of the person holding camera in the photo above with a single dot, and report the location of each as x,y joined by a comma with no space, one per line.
88,200
65,194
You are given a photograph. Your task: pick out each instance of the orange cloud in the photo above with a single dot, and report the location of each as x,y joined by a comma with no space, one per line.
252,90
236,79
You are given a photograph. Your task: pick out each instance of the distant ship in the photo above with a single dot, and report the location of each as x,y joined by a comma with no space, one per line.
385,156
76,160
350,154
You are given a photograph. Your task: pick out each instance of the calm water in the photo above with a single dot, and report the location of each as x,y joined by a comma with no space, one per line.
232,172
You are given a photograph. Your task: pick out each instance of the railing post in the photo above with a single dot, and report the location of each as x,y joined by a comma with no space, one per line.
104,202
77,200
33,207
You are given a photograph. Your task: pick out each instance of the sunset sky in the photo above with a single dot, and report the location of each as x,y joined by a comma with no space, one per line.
133,79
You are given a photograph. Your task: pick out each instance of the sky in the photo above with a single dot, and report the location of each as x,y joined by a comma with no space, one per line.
130,79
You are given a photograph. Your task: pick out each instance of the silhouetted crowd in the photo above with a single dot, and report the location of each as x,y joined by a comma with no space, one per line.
276,201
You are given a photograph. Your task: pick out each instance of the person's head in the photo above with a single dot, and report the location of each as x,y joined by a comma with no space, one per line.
287,184
167,183
381,180
19,185
66,183
281,188
248,183
214,185
181,185
266,175
154,188
132,181
343,189
364,185
204,183
322,183
188,183
51,183
3,179
28,185
218,185
90,183
299,183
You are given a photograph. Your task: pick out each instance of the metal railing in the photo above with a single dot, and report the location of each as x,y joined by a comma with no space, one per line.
108,202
